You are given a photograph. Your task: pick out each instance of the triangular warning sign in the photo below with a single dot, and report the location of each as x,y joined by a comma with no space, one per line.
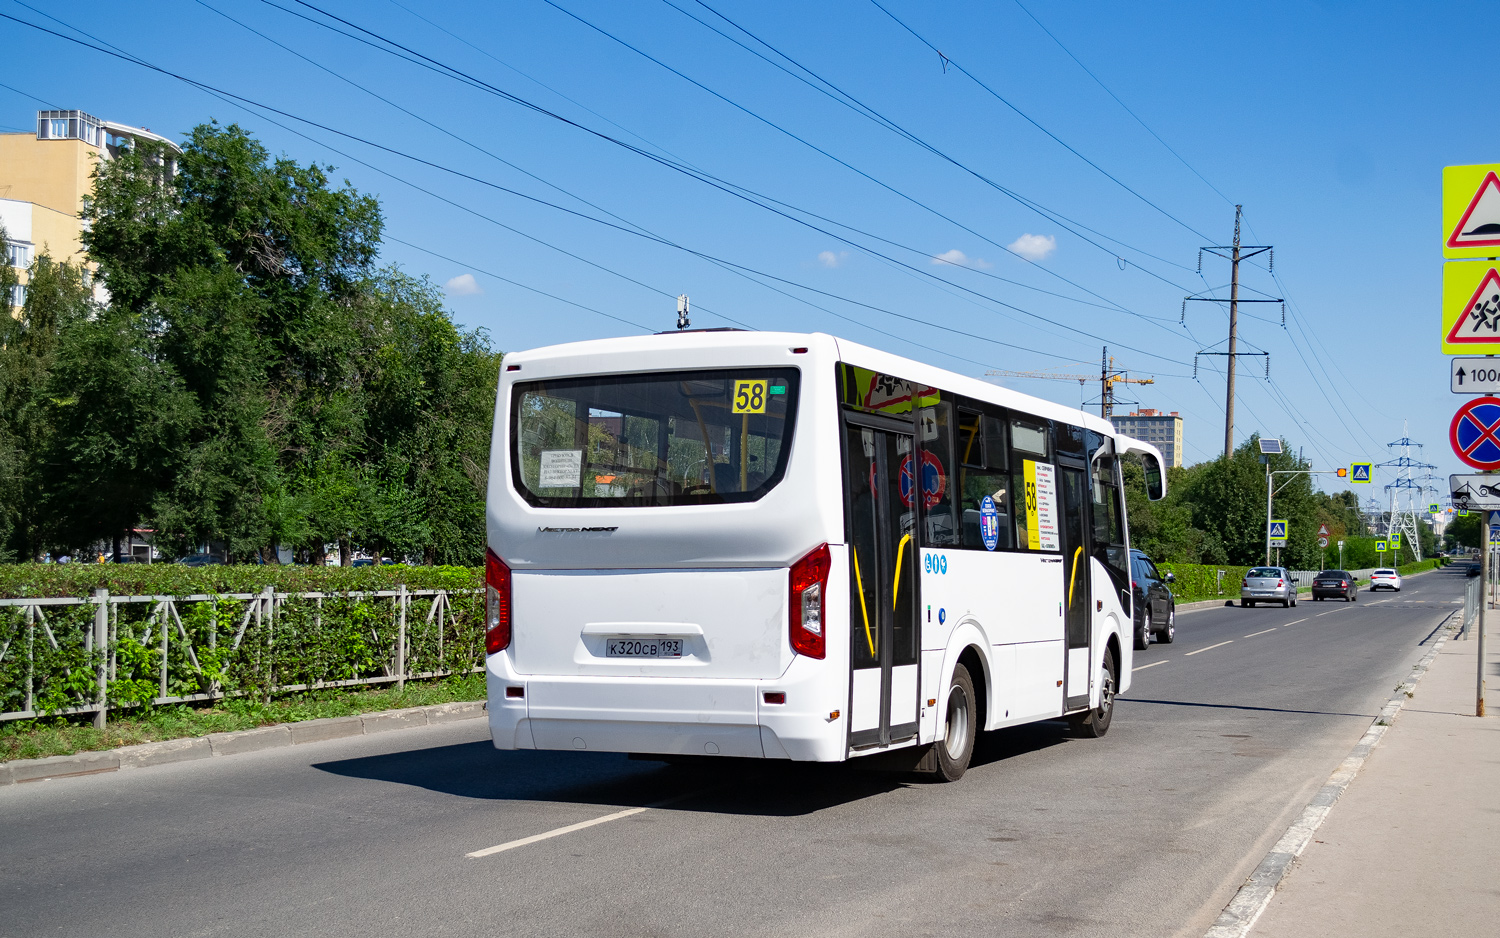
1480,321
1323,528
1479,226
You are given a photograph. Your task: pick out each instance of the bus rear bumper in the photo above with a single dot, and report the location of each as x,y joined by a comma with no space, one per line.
667,716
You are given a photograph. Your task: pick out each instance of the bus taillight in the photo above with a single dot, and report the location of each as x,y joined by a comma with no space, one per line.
809,583
496,603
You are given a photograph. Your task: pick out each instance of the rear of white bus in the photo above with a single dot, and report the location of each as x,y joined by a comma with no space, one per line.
664,524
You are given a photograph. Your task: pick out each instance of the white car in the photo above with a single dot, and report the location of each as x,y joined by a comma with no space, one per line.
1385,579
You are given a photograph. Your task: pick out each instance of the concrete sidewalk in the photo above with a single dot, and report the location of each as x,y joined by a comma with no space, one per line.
1408,849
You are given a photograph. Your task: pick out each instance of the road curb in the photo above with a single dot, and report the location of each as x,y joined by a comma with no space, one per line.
1240,915
212,745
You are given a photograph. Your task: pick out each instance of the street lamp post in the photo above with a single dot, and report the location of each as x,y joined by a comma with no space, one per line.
1271,492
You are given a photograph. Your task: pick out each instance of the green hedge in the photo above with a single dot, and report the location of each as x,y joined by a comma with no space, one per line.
1200,581
78,580
1431,563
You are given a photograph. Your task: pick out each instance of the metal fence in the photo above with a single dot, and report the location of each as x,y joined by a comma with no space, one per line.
71,655
1473,596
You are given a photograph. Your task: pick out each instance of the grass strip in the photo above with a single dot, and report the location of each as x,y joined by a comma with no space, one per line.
61,736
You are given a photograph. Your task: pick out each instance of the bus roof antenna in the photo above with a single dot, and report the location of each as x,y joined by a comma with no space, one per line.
682,312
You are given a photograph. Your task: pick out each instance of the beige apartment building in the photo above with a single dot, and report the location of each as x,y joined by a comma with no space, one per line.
1162,430
43,180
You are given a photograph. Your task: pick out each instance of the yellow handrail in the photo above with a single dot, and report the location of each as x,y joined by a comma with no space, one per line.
1072,577
859,583
896,583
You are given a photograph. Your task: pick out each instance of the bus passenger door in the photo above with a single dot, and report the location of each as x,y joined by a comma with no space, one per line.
883,583
1077,600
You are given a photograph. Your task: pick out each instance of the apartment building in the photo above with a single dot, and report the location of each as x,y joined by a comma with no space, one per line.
1164,430
43,180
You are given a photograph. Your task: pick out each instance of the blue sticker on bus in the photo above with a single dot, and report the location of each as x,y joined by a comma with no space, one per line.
989,523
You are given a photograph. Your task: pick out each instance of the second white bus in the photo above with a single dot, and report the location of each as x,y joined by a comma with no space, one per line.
790,546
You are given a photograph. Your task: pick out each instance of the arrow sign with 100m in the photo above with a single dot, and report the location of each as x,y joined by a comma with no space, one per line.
1474,375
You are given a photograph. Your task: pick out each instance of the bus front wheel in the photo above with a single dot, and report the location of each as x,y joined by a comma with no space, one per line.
956,744
1095,723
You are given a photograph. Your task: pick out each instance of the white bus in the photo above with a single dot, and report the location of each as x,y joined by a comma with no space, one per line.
790,546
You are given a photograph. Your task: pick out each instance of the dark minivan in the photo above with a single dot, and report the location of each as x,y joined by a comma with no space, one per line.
1338,584
1155,606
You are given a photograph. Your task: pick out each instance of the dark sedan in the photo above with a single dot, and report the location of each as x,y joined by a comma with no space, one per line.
1155,606
1335,584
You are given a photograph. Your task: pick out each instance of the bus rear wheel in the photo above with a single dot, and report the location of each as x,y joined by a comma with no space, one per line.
956,744
1095,723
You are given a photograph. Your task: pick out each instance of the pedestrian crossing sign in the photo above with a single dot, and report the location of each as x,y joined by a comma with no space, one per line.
1395,542
1276,533
1434,507
1380,547
1360,471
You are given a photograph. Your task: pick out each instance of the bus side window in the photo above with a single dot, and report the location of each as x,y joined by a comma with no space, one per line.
985,472
936,480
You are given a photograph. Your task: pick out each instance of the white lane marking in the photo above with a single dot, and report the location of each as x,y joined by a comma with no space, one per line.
1294,622
559,831
1253,634
1145,666
1328,613
1209,648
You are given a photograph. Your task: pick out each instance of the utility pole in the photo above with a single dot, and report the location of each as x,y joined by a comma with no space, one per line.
1234,321
1236,252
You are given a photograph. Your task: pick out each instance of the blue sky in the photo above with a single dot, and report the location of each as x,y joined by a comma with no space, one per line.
1329,122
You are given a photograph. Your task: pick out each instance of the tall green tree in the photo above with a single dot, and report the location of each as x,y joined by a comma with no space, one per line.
311,397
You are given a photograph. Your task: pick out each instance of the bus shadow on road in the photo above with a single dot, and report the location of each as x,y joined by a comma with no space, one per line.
771,788
722,785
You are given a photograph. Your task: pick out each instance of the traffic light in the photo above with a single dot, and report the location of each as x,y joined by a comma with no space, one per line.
1343,473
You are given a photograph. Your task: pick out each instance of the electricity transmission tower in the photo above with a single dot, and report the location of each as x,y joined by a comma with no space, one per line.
1406,492
1236,252
1109,376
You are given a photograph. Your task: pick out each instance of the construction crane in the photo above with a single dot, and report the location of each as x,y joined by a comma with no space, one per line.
1108,377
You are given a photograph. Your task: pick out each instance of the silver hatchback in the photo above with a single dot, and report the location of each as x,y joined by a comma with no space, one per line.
1268,585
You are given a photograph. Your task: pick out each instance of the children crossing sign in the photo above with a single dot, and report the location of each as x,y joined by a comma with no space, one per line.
1360,471
1471,308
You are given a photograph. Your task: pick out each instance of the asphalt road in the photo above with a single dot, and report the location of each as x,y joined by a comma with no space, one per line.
1223,738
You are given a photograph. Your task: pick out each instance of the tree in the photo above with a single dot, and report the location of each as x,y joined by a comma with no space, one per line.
309,397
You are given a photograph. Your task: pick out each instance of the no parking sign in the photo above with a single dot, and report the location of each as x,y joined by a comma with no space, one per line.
1475,433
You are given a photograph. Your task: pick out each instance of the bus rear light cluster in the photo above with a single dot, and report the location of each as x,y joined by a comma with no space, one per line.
496,603
809,583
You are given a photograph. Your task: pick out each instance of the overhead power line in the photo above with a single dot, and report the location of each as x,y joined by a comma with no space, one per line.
1032,121
1089,72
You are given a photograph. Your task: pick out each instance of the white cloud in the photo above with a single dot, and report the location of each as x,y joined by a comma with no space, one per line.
1034,247
464,285
958,258
830,259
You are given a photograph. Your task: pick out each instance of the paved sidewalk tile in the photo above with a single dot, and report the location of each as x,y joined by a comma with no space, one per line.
1408,850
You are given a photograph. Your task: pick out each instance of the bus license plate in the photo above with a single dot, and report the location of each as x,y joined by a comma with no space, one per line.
643,648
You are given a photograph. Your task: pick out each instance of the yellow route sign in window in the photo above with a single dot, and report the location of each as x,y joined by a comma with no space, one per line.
1471,308
1471,210
749,397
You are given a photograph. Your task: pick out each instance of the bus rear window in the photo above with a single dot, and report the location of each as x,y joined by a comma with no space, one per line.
675,438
